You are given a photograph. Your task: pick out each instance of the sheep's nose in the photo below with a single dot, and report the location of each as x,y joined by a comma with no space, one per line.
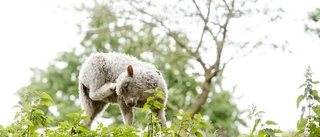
131,104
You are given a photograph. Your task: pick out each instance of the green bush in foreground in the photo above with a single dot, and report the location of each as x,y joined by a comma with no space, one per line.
31,121
306,126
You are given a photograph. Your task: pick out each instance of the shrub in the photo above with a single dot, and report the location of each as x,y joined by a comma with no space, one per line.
31,121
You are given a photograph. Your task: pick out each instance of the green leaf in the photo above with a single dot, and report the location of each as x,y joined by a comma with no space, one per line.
270,132
278,131
50,120
194,130
198,134
158,105
304,84
269,122
301,124
28,122
316,109
160,94
145,108
149,99
256,122
299,133
46,103
185,125
16,115
45,96
317,131
315,82
198,116
262,133
38,111
299,99
72,115
85,118
16,106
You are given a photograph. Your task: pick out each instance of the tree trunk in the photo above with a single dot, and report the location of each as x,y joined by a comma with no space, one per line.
201,99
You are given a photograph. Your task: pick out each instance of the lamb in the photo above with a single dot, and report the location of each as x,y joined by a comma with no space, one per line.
116,78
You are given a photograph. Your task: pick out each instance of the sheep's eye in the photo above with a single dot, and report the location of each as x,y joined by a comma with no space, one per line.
125,87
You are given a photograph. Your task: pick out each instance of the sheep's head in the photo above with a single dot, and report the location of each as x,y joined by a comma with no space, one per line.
133,83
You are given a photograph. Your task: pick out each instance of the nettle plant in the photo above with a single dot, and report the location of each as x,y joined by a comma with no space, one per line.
267,128
31,121
309,124
185,125
30,117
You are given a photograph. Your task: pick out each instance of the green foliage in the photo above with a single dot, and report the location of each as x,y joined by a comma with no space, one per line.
186,126
225,117
30,117
266,127
59,80
309,123
314,17
306,125
106,32
31,121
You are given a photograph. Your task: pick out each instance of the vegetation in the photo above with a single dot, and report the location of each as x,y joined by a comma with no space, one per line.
192,60
314,27
310,123
32,121
194,82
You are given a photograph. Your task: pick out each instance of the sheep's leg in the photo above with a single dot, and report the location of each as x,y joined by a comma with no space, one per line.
91,108
127,112
162,116
103,92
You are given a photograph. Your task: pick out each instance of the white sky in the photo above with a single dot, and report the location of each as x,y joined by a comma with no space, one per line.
33,31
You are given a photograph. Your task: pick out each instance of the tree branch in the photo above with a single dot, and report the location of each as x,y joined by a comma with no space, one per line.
210,71
205,20
220,44
201,99
172,107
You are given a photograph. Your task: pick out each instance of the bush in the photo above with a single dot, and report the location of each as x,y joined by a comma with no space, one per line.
31,121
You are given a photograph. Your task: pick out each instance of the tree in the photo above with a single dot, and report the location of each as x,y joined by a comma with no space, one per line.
206,41
314,17
204,32
188,45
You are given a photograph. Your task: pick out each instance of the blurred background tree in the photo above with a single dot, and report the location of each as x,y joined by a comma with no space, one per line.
189,41
313,26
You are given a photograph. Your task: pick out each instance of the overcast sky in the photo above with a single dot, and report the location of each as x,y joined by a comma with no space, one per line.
33,31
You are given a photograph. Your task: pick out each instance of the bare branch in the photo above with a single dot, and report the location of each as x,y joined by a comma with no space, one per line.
198,8
205,20
174,36
221,44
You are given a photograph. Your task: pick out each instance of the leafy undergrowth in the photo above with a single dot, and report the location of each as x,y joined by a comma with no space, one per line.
31,121
307,126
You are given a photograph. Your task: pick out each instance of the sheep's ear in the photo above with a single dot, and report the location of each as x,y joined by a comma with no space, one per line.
130,70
